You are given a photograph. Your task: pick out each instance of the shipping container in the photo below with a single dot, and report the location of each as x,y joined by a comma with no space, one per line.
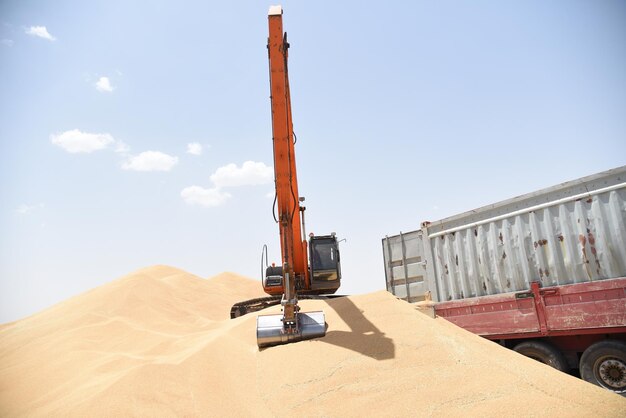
543,273
571,233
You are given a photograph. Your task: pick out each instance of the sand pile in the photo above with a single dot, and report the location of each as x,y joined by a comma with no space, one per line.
158,342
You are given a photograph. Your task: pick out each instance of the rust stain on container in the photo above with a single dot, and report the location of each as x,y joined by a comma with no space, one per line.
592,239
594,251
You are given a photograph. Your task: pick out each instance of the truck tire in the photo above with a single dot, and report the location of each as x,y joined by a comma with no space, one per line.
543,353
604,364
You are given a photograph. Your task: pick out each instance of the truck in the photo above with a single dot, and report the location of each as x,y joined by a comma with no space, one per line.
543,274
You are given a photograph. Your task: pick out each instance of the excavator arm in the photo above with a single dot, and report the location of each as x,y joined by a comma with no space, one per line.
293,246
294,260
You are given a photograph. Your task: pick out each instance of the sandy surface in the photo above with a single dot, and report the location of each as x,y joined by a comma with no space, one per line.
158,342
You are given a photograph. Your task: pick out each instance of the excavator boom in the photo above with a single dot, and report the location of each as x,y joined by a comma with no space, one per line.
286,179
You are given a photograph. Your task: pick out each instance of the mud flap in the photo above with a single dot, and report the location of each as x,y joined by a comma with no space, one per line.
269,328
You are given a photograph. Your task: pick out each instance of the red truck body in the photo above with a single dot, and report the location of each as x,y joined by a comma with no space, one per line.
571,317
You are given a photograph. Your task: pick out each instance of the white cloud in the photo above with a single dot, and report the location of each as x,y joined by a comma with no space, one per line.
104,85
7,42
196,195
75,141
41,32
150,161
24,209
194,148
249,174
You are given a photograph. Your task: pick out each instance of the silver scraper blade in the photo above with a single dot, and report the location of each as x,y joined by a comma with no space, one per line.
269,328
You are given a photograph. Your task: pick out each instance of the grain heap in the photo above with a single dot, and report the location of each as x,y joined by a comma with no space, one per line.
158,342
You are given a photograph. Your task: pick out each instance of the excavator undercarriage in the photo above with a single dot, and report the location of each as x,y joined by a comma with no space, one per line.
254,305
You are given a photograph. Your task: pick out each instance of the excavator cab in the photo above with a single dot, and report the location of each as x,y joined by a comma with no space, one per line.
325,263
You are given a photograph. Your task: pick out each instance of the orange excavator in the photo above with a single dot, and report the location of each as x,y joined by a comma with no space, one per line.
296,277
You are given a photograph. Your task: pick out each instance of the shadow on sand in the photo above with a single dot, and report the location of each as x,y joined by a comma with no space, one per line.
364,337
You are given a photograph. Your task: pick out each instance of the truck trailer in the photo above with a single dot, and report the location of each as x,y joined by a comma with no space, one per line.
543,274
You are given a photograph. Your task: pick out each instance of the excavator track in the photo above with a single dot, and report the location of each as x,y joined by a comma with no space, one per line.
253,305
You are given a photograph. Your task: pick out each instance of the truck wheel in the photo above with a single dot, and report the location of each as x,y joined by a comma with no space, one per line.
604,364
543,353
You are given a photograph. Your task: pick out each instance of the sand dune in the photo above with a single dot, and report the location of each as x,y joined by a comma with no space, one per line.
158,342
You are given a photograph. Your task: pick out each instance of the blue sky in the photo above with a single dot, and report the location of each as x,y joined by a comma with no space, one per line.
404,112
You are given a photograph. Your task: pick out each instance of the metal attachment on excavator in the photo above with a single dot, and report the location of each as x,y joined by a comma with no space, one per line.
271,329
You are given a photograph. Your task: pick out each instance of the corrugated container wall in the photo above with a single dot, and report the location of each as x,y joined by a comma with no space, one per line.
570,233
